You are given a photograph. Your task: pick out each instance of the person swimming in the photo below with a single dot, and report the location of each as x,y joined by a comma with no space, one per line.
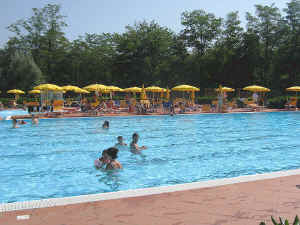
22,122
15,122
120,142
105,124
113,163
103,160
134,148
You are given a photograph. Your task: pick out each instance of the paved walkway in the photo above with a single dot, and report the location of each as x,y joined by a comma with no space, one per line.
240,204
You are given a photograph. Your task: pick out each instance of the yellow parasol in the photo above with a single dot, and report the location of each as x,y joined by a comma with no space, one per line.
225,89
34,92
16,92
295,89
114,89
185,88
255,88
153,89
133,89
48,87
96,87
82,91
70,88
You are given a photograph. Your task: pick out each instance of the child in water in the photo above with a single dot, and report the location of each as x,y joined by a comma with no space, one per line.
105,124
120,142
99,163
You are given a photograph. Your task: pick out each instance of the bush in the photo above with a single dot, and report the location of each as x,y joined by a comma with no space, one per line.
204,100
277,102
280,222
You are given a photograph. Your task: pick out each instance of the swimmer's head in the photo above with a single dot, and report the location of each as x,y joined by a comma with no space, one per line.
120,139
105,124
112,153
135,137
104,154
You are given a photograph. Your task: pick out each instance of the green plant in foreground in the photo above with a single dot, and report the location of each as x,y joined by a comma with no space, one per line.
286,222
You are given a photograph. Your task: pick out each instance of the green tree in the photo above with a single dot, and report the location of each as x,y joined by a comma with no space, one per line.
41,35
200,29
23,73
143,52
268,25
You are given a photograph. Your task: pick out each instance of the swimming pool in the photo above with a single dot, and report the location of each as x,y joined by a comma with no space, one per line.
55,158
6,113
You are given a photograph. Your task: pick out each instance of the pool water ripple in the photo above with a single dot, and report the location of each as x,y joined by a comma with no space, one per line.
55,158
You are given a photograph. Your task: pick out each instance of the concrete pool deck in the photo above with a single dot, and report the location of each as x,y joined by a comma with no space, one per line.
242,201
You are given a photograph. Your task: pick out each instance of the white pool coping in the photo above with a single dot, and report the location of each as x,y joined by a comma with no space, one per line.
6,207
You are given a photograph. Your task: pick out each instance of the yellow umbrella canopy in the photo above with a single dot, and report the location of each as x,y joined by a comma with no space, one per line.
16,92
185,88
133,89
48,87
81,91
34,92
70,88
295,88
114,89
96,87
225,89
255,88
154,89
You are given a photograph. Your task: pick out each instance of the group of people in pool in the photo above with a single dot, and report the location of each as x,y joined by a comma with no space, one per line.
108,159
15,122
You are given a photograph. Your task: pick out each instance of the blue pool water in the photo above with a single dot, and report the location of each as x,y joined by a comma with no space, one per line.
55,158
5,113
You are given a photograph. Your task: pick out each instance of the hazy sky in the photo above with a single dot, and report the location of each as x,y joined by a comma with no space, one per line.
98,16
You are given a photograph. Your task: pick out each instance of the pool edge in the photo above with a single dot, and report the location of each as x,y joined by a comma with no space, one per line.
44,203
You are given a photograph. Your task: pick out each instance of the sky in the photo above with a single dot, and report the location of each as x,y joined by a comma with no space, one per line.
110,16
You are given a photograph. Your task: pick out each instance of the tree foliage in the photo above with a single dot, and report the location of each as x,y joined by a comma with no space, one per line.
208,51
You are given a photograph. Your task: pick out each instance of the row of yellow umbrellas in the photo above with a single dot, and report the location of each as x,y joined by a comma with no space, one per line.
100,87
